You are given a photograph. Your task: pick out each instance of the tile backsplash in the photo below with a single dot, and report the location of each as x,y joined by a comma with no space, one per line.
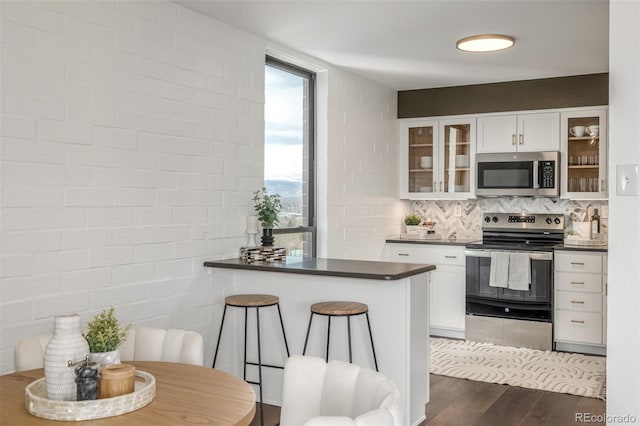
469,224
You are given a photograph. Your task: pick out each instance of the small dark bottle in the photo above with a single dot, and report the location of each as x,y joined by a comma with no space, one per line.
87,379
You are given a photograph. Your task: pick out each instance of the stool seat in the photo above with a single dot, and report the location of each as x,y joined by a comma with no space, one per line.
251,300
339,308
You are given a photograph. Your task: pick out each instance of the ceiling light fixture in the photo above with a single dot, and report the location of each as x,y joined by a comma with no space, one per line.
485,43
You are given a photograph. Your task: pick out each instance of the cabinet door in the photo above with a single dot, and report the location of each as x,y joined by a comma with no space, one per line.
584,163
539,132
497,133
456,154
447,298
417,158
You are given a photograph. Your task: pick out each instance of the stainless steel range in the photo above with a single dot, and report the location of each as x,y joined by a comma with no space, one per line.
509,279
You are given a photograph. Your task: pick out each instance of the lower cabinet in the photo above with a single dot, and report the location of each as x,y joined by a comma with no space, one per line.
580,301
446,286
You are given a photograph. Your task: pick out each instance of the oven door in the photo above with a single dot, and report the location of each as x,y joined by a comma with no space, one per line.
483,299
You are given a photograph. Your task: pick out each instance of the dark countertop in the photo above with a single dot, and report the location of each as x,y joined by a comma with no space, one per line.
372,270
444,241
561,247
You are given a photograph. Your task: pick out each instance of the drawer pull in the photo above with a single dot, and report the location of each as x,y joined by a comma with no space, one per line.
577,282
578,263
578,321
451,257
403,254
579,302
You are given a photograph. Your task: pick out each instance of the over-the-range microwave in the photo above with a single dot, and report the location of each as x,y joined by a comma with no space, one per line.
533,174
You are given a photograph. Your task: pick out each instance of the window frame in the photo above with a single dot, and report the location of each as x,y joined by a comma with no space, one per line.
311,150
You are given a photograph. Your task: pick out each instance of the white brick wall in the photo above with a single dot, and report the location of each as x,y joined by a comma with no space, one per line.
132,136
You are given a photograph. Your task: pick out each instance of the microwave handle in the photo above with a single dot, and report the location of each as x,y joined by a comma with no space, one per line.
536,176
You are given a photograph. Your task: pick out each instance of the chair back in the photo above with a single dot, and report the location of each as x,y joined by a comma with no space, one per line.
319,393
158,344
142,344
30,352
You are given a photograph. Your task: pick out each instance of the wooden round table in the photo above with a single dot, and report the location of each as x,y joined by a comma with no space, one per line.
185,394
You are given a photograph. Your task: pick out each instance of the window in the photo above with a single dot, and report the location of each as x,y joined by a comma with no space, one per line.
289,167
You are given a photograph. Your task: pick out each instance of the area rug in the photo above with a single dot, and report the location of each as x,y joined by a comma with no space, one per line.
561,372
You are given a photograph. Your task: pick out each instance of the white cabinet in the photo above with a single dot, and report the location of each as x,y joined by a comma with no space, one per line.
437,158
446,286
580,301
584,159
526,132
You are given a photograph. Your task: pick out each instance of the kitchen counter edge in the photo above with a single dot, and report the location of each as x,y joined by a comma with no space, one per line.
363,269
457,242
565,247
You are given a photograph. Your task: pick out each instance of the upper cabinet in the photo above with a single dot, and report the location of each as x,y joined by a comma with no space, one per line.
437,158
527,132
584,147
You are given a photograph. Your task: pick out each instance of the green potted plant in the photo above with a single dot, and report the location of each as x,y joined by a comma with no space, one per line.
267,206
104,335
411,222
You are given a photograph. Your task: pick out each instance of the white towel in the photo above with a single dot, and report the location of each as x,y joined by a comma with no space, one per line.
519,271
499,271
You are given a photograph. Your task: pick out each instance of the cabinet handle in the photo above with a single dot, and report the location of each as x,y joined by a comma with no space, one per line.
451,257
403,254
578,263
577,282
521,139
601,185
440,186
513,139
579,302
578,321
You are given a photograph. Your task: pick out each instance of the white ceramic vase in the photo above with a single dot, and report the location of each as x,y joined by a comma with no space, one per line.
67,344
105,358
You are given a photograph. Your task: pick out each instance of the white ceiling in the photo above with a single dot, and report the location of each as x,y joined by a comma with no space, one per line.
411,44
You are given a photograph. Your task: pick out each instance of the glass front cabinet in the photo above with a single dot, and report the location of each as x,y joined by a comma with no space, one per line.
437,158
583,134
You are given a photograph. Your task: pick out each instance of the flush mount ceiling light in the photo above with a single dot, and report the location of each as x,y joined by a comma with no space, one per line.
485,43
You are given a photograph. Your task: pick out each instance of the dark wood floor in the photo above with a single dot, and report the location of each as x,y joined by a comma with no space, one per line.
458,402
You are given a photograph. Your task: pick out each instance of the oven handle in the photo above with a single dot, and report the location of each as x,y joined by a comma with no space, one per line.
533,255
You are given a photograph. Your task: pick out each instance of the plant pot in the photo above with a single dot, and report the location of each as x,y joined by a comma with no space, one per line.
105,358
267,237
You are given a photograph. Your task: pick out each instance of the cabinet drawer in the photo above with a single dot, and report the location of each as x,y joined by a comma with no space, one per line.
434,254
578,327
578,301
575,281
578,262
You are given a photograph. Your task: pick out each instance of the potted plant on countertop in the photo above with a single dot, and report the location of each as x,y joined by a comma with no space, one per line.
411,222
267,206
104,335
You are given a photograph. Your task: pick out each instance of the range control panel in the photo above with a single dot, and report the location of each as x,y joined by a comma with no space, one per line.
523,221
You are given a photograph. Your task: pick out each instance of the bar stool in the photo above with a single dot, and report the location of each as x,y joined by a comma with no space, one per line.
340,309
257,301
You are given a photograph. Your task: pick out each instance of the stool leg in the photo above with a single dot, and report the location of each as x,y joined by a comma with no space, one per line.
283,333
326,358
306,339
375,360
244,371
259,365
349,336
215,357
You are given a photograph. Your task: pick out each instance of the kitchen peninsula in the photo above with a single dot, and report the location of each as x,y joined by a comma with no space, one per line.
397,296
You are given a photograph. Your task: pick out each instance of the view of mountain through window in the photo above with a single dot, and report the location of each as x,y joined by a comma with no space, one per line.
287,148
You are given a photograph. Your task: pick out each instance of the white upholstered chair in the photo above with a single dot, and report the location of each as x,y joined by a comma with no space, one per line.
317,393
158,344
142,344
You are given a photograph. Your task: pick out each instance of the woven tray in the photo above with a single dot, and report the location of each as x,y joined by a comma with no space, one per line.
37,403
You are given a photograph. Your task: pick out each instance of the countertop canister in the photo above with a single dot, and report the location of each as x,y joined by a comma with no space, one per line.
67,344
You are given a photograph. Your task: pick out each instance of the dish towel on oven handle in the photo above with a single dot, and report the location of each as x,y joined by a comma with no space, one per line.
519,271
499,270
